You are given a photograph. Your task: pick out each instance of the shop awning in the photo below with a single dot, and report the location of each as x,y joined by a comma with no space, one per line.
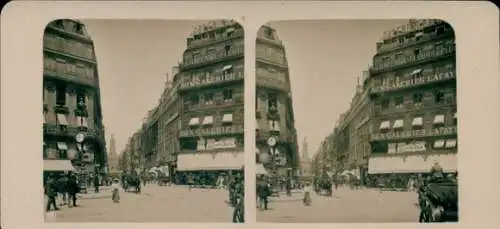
398,124
439,119
58,165
227,118
61,119
416,71
194,121
411,164
385,125
418,121
208,120
260,170
451,143
227,67
210,161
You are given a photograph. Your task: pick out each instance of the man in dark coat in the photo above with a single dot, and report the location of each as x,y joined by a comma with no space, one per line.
263,192
51,192
72,188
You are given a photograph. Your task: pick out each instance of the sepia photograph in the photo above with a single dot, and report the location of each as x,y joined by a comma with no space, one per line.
356,121
143,121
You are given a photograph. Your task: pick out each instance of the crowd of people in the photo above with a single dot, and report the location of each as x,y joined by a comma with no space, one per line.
64,187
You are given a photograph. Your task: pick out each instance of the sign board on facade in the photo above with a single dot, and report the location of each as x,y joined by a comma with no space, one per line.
213,131
442,131
399,82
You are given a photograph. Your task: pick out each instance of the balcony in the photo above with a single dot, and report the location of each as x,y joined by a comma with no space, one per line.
425,38
73,78
212,80
424,56
213,58
238,33
414,134
218,104
71,131
213,131
273,83
282,63
415,82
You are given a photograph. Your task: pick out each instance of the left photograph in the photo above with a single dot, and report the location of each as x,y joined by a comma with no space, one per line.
143,121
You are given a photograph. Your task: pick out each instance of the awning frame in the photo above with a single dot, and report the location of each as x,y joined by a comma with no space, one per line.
58,165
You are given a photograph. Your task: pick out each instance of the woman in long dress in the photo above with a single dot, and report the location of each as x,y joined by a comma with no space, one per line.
115,187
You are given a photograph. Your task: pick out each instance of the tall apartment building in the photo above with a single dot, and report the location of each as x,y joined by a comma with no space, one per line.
413,94
211,97
276,135
168,126
73,131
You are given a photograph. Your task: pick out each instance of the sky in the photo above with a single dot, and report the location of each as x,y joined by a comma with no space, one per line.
133,58
325,58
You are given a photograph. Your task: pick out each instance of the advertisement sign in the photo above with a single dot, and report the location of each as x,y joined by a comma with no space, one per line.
442,131
223,143
398,82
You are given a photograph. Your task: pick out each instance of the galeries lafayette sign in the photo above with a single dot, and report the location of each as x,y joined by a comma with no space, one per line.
443,131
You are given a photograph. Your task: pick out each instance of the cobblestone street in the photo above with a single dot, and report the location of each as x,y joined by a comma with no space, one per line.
359,206
155,204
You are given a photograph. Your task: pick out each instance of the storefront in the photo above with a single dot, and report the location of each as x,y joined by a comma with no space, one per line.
206,167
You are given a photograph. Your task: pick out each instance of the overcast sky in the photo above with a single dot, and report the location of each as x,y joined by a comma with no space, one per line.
325,58
133,58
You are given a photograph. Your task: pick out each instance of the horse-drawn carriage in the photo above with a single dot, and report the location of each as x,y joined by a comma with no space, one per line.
131,181
438,201
323,186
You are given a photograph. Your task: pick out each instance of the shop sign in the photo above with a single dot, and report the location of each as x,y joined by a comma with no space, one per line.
224,143
212,131
442,131
411,82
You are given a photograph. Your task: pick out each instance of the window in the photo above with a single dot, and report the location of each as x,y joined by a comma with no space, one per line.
62,149
439,144
416,52
227,48
61,119
227,95
385,103
274,125
272,102
269,34
81,121
80,98
439,30
194,99
196,56
418,98
399,102
439,97
61,94
209,98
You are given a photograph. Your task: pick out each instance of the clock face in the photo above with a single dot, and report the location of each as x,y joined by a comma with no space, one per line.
271,141
80,137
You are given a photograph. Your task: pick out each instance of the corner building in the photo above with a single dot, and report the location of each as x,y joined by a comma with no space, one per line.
413,97
71,101
211,97
276,137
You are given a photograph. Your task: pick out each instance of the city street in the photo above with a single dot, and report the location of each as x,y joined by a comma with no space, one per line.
155,204
357,206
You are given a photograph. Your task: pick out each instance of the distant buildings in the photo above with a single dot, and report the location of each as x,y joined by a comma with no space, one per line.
197,126
403,118
305,160
73,132
276,135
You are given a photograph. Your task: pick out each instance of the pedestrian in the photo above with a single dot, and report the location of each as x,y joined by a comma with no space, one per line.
96,184
263,192
72,188
62,190
239,193
307,194
115,189
51,192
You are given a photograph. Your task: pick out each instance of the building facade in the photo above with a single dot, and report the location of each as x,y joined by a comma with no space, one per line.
73,130
413,94
276,137
403,118
211,97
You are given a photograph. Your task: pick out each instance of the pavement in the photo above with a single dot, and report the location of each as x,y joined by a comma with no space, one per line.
154,204
345,206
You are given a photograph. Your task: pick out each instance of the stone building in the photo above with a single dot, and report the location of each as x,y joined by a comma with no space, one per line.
73,131
276,134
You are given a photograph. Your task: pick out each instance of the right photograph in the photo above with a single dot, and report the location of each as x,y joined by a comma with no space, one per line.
356,121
